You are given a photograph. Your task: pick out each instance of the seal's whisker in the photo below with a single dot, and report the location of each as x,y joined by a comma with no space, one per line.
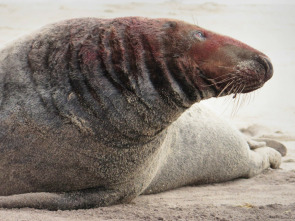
249,95
194,20
241,96
228,84
233,113
244,100
226,79
237,88
236,100
250,98
242,89
222,76
253,96
238,104
231,89
222,81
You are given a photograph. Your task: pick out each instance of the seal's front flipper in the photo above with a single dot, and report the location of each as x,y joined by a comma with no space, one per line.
255,143
278,146
263,158
83,199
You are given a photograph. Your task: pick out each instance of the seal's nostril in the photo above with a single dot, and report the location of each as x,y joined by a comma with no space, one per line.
269,69
267,66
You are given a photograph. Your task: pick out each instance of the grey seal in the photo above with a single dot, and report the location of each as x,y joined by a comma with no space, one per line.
94,112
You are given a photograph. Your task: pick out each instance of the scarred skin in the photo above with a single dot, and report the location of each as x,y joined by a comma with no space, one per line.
87,106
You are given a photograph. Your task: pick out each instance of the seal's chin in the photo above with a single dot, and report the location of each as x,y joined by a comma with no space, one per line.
250,88
241,84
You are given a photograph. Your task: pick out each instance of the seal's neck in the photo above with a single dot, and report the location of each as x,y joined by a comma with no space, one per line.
113,82
130,82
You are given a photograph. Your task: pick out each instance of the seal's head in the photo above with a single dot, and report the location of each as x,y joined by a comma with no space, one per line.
218,64
225,62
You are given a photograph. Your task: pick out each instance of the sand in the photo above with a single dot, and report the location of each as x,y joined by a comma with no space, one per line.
269,27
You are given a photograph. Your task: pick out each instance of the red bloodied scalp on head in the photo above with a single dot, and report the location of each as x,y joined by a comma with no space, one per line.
213,42
178,58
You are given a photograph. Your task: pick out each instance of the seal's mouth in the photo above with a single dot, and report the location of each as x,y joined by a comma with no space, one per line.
257,77
246,77
251,88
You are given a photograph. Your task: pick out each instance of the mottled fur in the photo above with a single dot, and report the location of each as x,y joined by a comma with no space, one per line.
87,106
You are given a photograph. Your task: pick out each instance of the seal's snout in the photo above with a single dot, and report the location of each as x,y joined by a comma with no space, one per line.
266,63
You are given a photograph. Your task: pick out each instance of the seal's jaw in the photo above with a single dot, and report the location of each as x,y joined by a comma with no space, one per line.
231,67
254,73
248,75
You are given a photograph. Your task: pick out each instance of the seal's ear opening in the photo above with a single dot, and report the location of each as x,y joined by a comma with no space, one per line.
170,24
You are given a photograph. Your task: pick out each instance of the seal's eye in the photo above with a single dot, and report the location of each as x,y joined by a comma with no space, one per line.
199,35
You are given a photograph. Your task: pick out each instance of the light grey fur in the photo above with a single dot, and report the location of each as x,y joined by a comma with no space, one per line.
198,148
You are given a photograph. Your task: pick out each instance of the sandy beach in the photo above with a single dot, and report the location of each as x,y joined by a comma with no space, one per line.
268,27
